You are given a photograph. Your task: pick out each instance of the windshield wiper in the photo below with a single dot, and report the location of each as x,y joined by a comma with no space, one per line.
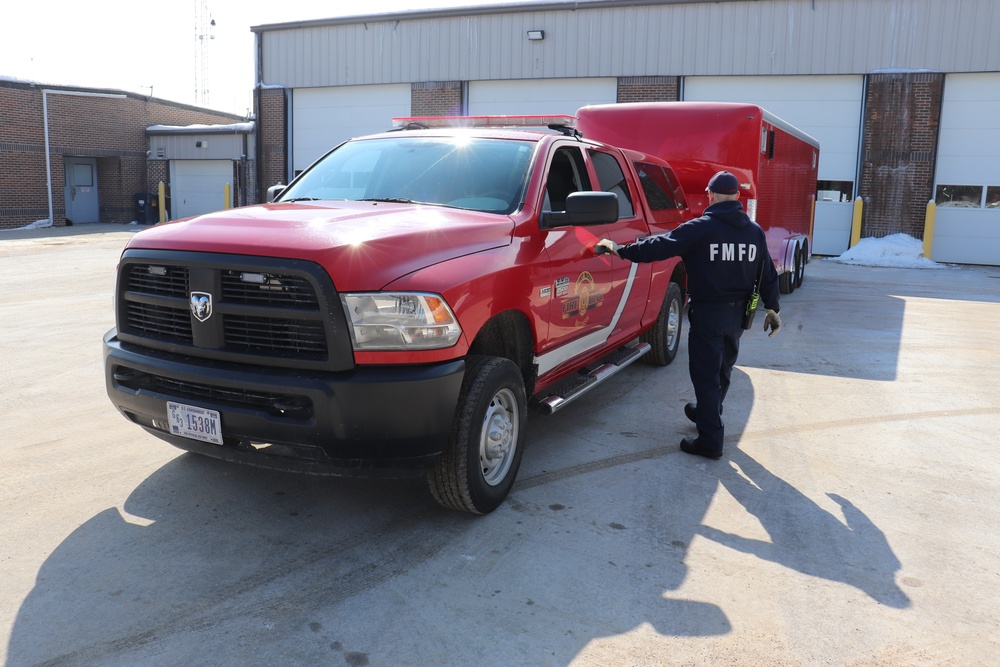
285,201
390,200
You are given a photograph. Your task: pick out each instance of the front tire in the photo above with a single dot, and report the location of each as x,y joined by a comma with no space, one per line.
665,336
483,454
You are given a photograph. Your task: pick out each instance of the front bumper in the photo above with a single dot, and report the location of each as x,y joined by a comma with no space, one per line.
388,421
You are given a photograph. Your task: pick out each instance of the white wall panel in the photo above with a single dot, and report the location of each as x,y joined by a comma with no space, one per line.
532,97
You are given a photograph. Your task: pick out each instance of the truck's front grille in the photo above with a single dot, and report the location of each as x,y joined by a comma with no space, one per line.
159,322
276,336
158,279
267,289
267,311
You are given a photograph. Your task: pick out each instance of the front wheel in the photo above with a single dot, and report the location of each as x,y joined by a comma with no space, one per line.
665,336
483,454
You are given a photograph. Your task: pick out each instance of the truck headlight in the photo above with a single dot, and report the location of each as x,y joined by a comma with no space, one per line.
400,321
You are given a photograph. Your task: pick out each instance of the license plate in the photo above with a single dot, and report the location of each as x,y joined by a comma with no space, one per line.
193,422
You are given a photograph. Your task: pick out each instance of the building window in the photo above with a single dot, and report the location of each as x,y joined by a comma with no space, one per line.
959,196
993,196
834,190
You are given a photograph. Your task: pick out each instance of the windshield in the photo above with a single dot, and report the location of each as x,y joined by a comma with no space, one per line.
463,172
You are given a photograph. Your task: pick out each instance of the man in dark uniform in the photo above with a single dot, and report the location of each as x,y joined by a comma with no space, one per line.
723,251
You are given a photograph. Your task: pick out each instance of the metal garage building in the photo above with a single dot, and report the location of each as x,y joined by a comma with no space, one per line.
903,95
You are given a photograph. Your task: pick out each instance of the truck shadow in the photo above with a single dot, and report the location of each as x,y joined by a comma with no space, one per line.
339,571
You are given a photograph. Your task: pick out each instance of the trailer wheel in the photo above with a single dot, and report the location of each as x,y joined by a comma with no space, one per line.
786,281
665,335
800,264
483,454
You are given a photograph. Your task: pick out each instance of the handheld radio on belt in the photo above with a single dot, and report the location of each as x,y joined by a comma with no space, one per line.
751,310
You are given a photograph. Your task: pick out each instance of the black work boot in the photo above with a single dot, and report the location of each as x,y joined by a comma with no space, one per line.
691,412
692,446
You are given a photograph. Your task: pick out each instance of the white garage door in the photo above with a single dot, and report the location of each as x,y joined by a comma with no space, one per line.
828,108
325,117
539,96
967,181
199,186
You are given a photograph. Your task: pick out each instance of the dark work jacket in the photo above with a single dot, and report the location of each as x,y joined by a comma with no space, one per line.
722,252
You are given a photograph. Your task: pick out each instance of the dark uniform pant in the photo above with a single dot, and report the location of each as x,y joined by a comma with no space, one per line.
713,344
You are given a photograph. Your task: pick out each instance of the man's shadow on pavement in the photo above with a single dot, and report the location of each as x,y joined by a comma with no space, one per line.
807,538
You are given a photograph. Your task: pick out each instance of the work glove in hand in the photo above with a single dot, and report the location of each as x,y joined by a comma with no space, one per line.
772,320
604,246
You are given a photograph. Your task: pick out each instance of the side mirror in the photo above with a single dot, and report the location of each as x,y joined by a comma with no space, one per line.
274,191
584,209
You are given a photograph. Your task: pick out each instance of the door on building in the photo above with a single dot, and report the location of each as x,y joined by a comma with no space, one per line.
199,186
81,189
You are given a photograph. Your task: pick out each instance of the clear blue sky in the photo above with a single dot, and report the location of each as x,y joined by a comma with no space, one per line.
135,46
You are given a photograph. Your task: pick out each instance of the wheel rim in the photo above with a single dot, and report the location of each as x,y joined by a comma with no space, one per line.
673,323
498,439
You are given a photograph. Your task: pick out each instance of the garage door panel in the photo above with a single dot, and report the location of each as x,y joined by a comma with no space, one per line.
967,155
198,186
323,118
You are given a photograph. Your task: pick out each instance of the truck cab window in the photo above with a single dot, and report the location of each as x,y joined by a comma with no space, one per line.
657,186
567,175
611,179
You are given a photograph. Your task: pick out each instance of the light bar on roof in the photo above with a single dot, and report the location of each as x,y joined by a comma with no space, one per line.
484,121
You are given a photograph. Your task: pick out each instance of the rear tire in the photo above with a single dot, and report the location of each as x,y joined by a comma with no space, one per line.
483,454
800,274
665,336
786,281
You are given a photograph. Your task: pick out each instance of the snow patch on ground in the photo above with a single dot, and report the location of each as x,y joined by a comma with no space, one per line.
895,251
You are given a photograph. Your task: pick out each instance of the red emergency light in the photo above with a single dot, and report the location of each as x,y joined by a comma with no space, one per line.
435,122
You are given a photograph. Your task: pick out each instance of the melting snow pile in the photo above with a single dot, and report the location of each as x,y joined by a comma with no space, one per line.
895,250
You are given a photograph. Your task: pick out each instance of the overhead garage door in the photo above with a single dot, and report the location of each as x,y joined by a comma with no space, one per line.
325,117
967,180
198,186
828,108
539,96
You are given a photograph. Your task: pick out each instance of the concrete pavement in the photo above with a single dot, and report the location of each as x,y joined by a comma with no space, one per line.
852,521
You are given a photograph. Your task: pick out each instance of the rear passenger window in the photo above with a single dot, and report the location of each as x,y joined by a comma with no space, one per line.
658,186
611,179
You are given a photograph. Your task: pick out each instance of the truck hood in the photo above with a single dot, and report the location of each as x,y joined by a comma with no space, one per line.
362,245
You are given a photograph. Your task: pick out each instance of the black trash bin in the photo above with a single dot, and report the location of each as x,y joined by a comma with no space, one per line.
146,209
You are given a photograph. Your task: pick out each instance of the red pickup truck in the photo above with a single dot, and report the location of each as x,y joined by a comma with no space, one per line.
397,308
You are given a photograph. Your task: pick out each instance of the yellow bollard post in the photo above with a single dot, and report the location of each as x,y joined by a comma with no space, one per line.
161,191
929,228
856,222
226,200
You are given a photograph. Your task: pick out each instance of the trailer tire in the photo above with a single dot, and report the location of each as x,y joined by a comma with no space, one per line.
787,280
800,265
479,464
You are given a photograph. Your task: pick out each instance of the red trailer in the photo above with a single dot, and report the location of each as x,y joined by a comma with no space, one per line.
775,162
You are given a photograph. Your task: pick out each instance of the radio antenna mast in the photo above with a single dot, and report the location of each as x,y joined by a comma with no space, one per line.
204,32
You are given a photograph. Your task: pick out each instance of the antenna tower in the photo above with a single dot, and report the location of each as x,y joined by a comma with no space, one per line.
204,32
